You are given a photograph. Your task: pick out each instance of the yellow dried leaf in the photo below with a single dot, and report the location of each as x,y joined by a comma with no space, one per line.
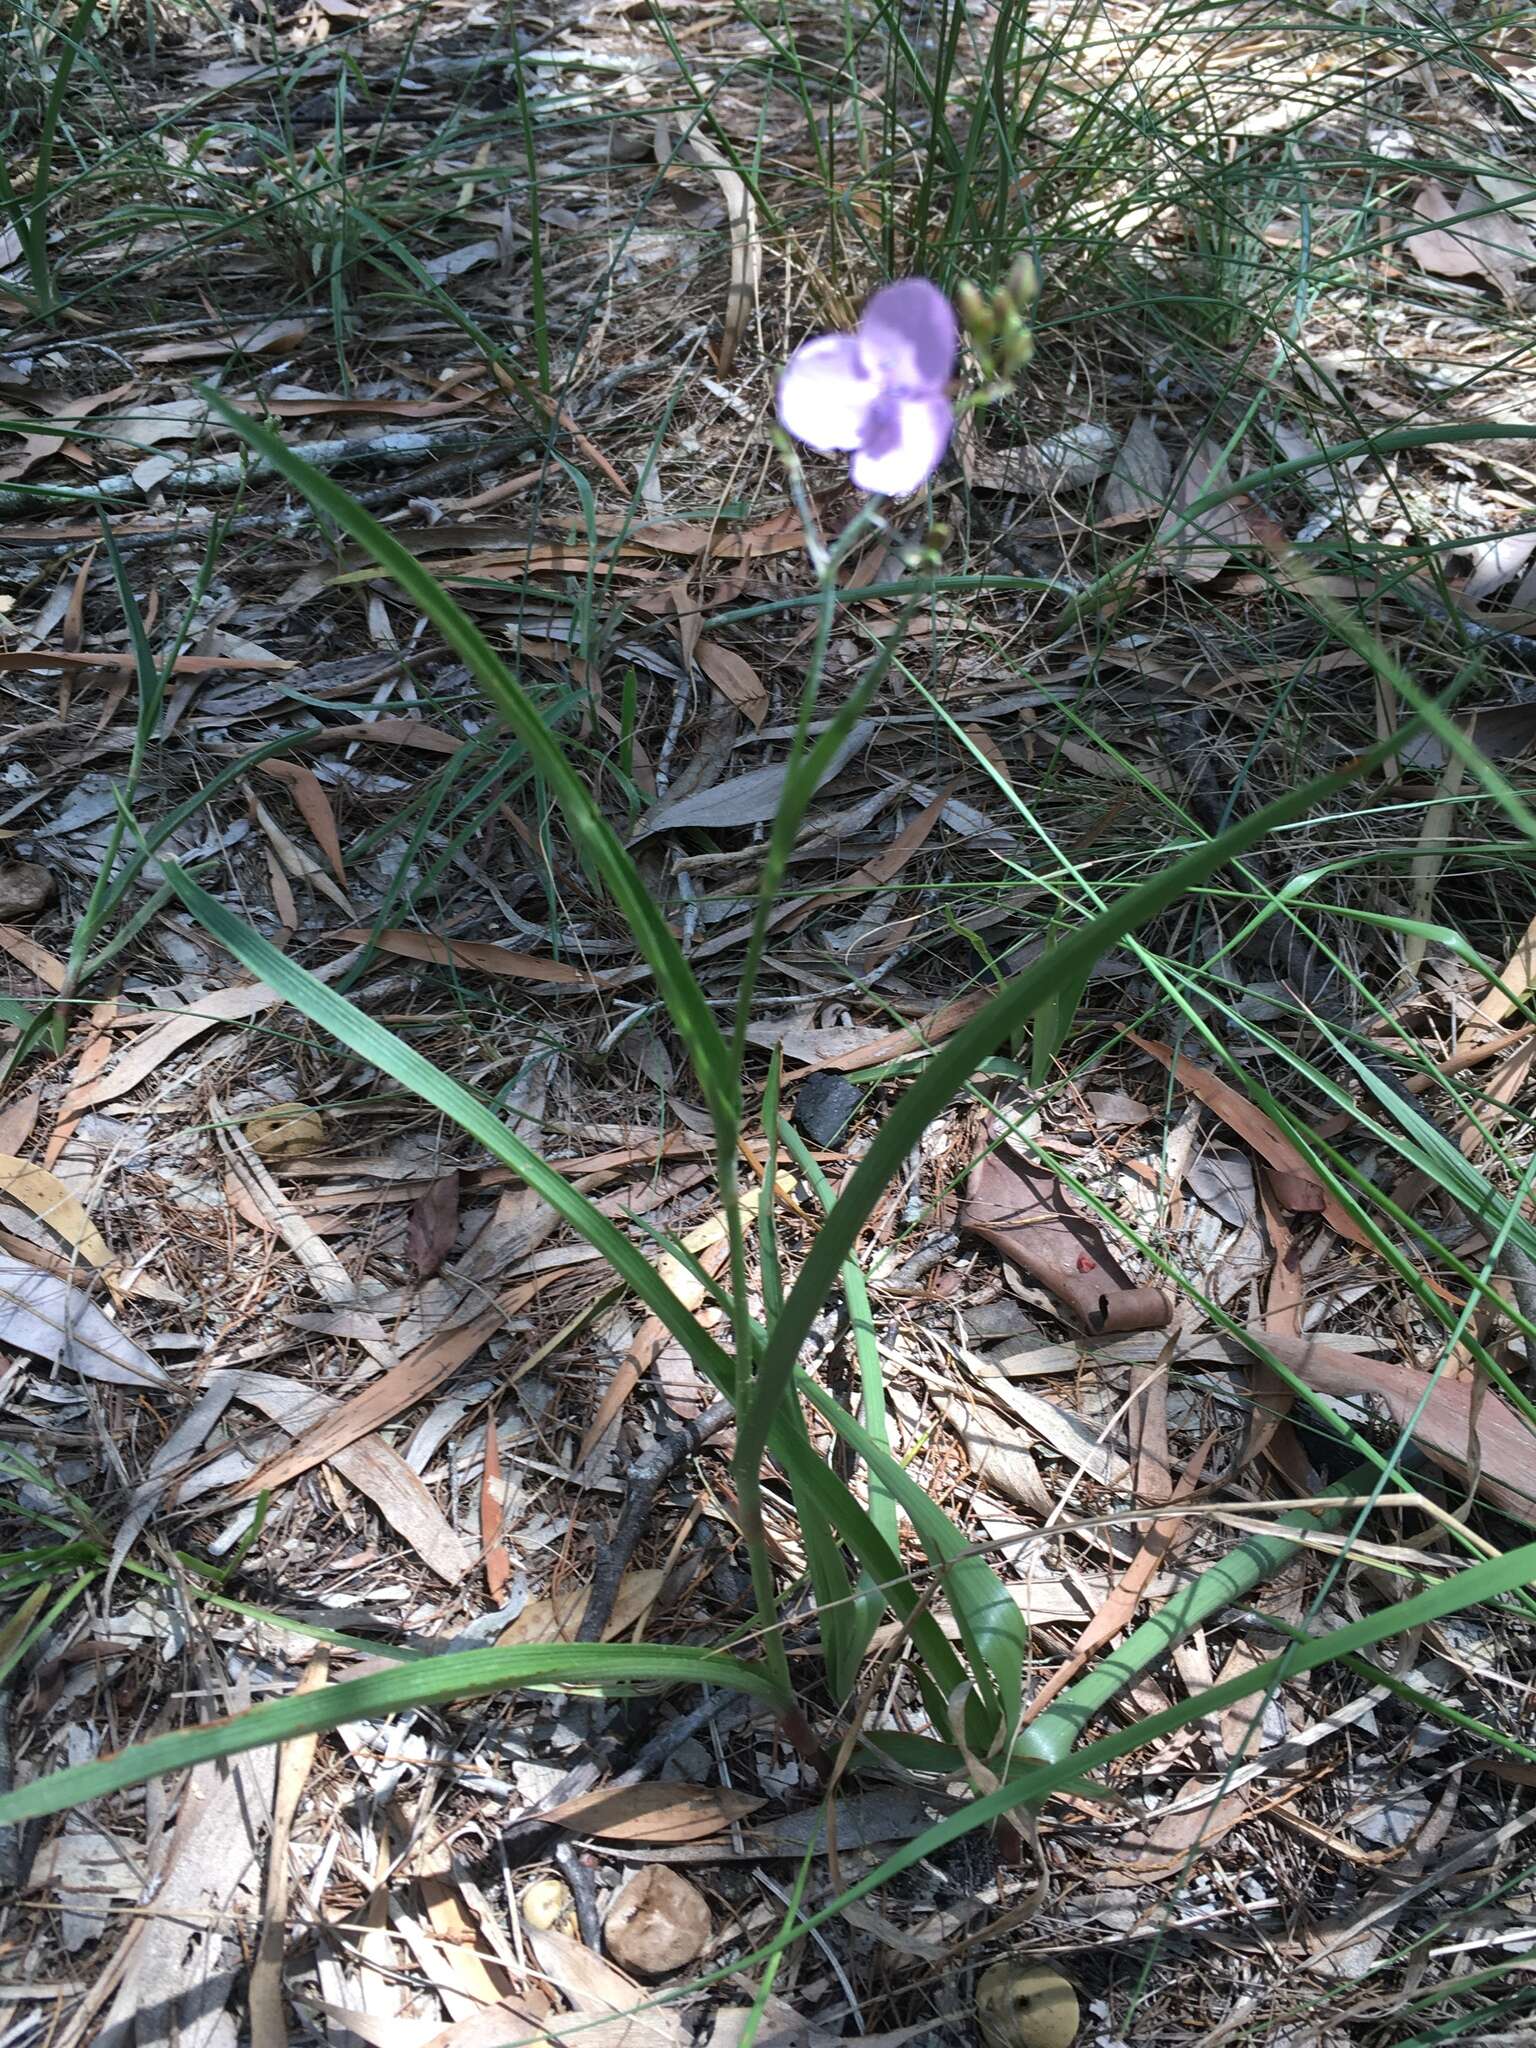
35,1188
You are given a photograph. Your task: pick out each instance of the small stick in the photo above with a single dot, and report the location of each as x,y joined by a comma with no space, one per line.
643,1481
583,1891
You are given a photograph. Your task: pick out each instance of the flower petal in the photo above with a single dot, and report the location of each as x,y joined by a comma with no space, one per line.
909,336
825,392
903,444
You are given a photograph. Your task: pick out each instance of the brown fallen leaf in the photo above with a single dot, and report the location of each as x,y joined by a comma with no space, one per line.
384,732
35,1188
48,967
314,807
1474,238
1171,1841
921,1035
1023,1210
40,446
653,1813
40,1312
555,1617
749,799
1296,1186
261,337
1469,1431
124,664
1000,1460
1198,549
734,677
610,2010
476,954
420,1373
1138,483
498,1566
433,1225
1518,975
370,1465
295,1760
18,1120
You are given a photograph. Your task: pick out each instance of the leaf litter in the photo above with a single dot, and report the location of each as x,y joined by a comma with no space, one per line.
384,1390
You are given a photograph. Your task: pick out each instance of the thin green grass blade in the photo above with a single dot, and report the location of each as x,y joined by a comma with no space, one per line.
596,842
990,1623
869,1601
434,1681
382,1049
951,1068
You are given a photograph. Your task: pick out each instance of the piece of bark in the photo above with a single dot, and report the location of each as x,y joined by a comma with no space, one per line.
1023,1211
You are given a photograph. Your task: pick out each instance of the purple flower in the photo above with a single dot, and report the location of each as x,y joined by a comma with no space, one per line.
881,391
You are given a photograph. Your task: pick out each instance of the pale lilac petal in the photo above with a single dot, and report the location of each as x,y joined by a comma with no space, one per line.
903,443
825,392
909,336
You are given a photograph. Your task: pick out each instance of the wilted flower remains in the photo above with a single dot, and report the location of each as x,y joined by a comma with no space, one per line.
882,392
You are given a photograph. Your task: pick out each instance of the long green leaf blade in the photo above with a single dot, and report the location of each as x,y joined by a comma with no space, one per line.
434,1681
373,1042
595,839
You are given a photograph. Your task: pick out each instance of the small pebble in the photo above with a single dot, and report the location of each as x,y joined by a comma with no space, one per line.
1023,2004
546,1904
25,889
824,1106
658,1923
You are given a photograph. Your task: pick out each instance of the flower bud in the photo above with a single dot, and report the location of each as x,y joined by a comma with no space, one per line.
975,314
1023,282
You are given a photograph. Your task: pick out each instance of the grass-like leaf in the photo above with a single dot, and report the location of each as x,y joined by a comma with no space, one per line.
432,1681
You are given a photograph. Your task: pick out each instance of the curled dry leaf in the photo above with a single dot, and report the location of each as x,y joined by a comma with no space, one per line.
1023,1211
746,247
25,889
546,1904
288,1130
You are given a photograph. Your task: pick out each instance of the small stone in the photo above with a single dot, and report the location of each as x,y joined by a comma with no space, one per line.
25,889
288,1130
547,1904
658,1923
824,1106
1022,2004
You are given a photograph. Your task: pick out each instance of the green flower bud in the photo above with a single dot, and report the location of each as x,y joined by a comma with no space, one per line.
1023,282
975,314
